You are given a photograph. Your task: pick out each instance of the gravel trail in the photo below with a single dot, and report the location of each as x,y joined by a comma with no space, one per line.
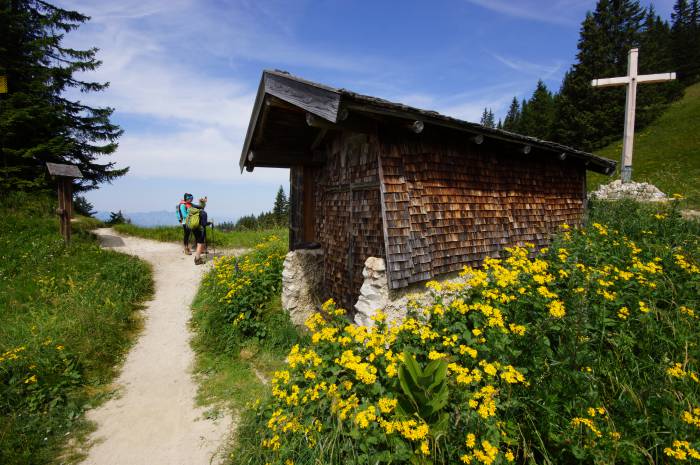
154,420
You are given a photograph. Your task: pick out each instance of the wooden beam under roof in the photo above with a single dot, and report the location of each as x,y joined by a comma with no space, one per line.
314,99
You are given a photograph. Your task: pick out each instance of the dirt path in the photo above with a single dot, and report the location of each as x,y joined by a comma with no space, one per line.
154,420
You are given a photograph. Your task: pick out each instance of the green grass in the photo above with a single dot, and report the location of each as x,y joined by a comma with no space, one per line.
234,359
233,378
233,239
667,152
71,314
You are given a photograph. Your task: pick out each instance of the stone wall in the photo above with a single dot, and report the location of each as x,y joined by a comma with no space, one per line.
302,279
375,294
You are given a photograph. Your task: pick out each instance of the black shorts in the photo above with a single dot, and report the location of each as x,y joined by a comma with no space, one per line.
199,235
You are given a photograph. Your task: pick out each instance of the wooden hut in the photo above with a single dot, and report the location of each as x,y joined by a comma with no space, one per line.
426,192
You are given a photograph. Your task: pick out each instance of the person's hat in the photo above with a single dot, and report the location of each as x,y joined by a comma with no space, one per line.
188,196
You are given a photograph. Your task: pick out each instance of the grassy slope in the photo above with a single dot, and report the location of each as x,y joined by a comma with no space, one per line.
72,309
220,239
667,153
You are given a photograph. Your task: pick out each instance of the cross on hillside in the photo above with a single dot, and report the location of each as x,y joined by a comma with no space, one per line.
631,81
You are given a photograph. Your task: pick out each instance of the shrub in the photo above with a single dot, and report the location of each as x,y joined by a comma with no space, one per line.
242,287
584,352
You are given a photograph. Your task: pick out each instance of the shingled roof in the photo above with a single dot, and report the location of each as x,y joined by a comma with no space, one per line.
333,105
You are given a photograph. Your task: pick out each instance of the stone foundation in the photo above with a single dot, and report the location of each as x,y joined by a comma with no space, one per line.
302,278
375,294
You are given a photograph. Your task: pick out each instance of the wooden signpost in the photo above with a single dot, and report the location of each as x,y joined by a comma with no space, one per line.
64,174
631,81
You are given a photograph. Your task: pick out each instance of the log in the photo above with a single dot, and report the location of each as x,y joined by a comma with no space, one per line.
415,126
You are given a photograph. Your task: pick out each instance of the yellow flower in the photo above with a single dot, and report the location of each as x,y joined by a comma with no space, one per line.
424,449
643,307
623,313
471,440
434,355
556,309
387,405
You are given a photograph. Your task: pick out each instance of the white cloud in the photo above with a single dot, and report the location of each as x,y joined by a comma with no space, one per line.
560,12
526,67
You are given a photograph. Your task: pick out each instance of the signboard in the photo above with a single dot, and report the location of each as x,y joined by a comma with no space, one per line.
70,171
3,84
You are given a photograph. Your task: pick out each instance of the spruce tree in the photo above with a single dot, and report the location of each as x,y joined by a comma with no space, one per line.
280,210
488,119
587,117
685,37
538,117
512,119
655,56
38,122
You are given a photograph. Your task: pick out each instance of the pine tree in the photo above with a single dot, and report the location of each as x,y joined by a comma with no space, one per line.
488,118
512,119
588,118
538,117
280,211
685,36
655,56
38,124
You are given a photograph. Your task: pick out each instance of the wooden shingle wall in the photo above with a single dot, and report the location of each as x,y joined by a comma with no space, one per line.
450,203
348,213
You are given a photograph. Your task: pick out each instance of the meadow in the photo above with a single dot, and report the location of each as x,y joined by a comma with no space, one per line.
583,352
68,316
666,151
223,239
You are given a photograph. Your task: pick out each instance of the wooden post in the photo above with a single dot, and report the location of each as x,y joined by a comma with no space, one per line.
64,175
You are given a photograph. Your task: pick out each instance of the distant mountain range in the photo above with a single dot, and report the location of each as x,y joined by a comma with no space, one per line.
146,219
153,219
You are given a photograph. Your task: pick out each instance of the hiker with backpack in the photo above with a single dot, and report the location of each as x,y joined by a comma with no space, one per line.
197,222
182,210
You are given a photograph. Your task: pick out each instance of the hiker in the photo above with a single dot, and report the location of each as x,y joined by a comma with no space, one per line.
197,222
183,209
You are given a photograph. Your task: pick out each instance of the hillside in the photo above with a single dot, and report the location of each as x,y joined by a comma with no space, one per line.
68,315
667,152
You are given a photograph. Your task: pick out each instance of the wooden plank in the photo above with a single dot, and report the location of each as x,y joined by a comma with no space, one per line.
610,82
316,100
252,125
60,169
309,207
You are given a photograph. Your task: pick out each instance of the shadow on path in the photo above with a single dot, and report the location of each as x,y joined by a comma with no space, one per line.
107,240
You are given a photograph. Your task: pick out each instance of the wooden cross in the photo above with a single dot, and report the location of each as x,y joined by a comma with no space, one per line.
631,81
64,174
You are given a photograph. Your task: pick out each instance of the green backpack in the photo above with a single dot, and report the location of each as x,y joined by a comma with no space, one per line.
192,220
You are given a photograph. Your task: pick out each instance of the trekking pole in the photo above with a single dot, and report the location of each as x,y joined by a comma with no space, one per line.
213,242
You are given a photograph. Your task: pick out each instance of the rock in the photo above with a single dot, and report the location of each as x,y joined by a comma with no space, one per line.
302,277
618,190
374,293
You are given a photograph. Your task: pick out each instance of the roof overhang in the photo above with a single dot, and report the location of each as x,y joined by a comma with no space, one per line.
291,115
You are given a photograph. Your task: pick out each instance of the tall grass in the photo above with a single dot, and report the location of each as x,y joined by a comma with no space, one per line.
67,315
217,238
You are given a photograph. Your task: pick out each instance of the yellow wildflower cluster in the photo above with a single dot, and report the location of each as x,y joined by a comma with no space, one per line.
692,417
682,450
574,300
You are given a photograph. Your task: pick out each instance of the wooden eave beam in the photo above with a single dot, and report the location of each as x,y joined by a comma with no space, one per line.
321,102
599,166
267,158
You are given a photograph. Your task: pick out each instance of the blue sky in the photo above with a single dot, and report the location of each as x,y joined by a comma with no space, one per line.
183,75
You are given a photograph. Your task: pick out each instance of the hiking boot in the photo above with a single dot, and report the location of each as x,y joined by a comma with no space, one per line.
198,261
187,251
